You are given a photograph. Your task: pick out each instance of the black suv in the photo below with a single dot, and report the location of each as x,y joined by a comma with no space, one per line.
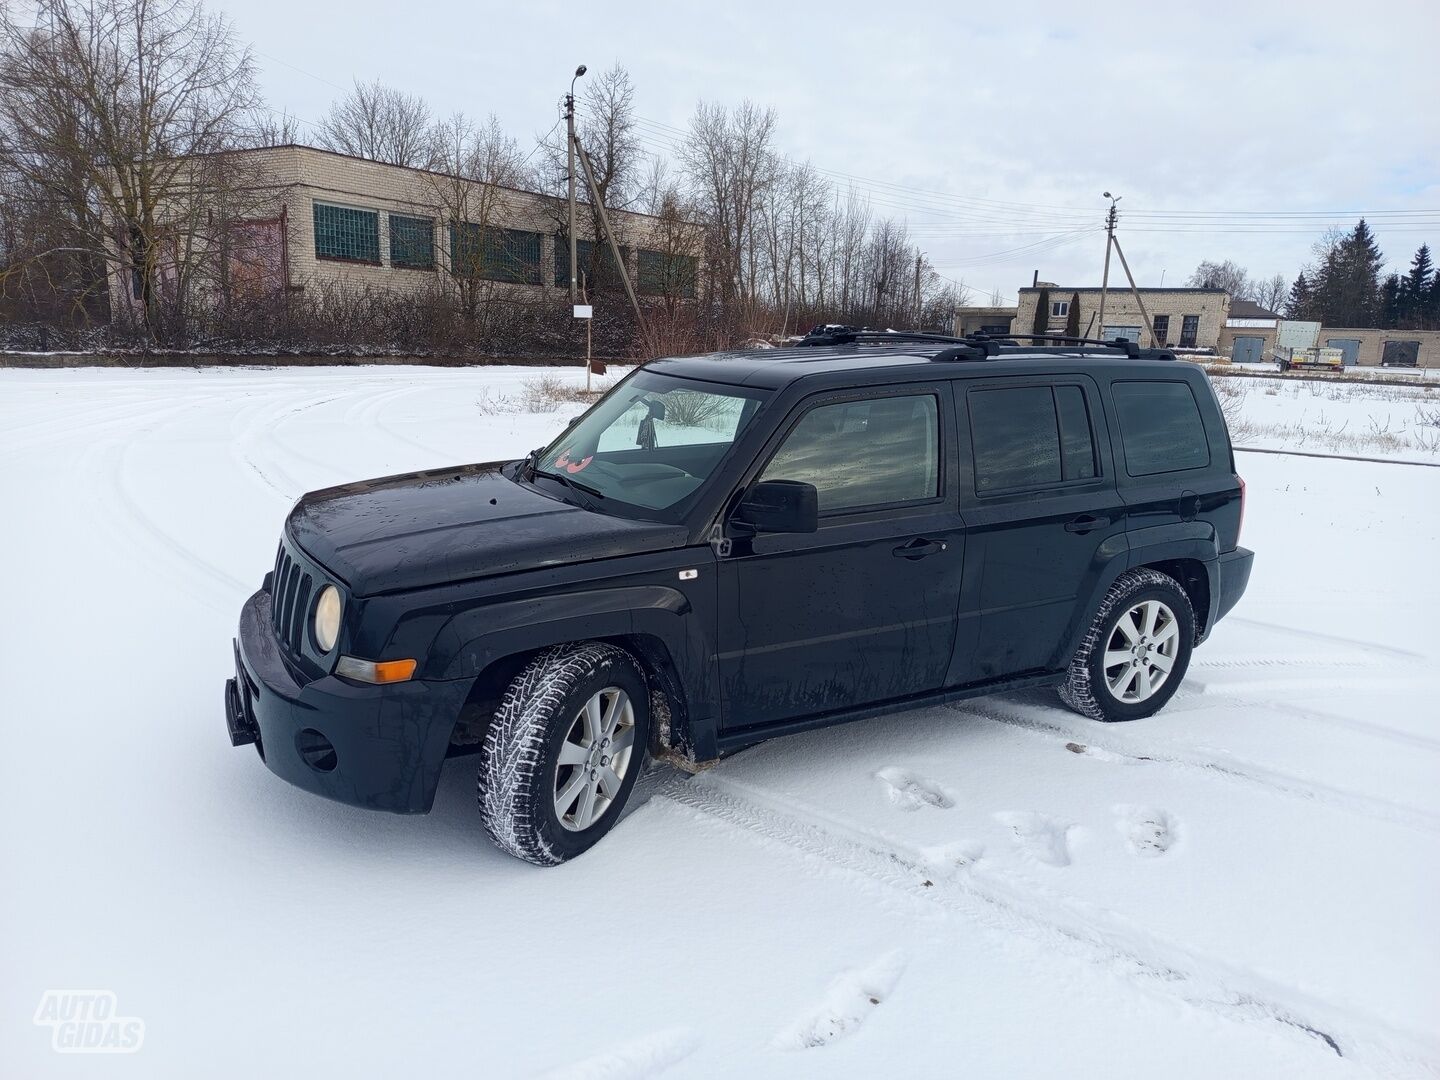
731,547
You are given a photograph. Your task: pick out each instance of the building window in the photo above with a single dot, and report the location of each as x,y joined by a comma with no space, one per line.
1162,329
1060,309
595,261
347,234
1189,331
412,242
667,275
510,255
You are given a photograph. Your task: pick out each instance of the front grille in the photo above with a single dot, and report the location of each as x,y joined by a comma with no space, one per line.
290,601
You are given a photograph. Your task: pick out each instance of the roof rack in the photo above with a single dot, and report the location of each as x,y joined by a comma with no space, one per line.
978,346
850,335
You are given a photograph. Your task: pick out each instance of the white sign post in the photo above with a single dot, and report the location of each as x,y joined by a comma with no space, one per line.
586,312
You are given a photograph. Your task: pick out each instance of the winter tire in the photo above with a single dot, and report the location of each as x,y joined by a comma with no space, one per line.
1136,651
563,752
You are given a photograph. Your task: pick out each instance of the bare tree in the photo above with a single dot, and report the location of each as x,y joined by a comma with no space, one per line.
471,167
378,122
1271,292
275,129
606,128
119,114
730,165
1222,275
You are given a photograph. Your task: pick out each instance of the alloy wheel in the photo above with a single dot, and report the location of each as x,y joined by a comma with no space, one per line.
594,758
1141,651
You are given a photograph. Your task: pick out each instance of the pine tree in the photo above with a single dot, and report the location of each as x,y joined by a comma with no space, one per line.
1072,321
1298,303
1042,313
1392,300
1415,292
1347,289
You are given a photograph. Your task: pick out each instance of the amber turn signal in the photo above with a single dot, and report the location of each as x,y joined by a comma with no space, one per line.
378,672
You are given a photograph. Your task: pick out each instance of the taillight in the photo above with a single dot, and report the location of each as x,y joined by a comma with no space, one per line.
1241,525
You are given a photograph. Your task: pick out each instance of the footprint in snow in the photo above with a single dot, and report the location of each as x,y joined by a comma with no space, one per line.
852,997
910,791
647,1056
1042,838
1148,831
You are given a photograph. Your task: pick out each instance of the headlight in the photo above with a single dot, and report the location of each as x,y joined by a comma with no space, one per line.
327,618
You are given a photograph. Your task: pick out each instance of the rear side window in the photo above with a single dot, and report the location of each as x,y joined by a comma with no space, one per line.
1160,427
864,453
1030,436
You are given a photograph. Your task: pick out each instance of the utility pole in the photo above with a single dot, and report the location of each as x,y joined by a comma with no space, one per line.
919,308
1145,315
599,204
1110,219
570,176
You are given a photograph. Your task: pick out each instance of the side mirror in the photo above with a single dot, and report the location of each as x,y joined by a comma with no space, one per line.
781,506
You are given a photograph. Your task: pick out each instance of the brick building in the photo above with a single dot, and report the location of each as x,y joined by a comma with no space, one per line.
318,219
1183,318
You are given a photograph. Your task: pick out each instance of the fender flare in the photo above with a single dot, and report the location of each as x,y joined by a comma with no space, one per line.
1194,540
661,617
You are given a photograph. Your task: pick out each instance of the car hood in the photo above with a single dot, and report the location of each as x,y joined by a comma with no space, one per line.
432,528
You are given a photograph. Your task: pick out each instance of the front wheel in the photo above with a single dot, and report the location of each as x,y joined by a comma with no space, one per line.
563,752
1137,649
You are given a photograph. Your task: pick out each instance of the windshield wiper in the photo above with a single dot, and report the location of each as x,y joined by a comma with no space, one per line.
589,493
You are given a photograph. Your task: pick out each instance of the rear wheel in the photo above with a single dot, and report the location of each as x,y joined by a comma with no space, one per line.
1136,651
563,752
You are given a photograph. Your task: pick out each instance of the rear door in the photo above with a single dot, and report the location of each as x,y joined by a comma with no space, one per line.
1173,458
863,609
1041,512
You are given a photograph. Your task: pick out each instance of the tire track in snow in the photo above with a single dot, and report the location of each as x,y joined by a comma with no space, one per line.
1228,768
261,428
1097,935
117,494
1334,639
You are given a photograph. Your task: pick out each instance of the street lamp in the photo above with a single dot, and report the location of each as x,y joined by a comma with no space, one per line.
570,177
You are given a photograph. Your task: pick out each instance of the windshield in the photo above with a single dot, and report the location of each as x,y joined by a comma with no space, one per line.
648,445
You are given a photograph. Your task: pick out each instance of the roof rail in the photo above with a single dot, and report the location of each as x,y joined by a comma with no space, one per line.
1130,348
850,335
977,346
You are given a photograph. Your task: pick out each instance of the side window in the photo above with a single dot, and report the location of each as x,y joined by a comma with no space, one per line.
864,453
1030,436
1160,427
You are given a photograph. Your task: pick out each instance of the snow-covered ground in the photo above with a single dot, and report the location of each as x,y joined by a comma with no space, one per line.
1390,419
1242,886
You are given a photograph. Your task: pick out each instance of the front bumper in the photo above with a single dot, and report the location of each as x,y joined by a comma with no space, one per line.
380,747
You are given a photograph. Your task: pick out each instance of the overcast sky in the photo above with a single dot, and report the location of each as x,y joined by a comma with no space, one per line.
988,132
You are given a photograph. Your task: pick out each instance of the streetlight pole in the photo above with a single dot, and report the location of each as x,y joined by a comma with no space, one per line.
570,178
1110,220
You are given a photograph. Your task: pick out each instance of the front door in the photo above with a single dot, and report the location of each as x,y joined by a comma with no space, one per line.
862,610
1042,511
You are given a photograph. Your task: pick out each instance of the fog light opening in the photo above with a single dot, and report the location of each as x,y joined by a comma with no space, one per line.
316,750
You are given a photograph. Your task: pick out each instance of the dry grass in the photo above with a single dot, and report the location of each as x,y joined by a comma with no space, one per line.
543,394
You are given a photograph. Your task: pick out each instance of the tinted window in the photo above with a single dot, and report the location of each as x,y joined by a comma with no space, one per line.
1077,446
864,453
1016,438
1160,427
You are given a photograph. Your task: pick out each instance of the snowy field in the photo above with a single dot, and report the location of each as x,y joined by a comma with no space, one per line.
1242,886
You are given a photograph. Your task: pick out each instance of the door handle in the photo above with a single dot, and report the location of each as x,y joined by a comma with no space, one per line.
1086,523
919,548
